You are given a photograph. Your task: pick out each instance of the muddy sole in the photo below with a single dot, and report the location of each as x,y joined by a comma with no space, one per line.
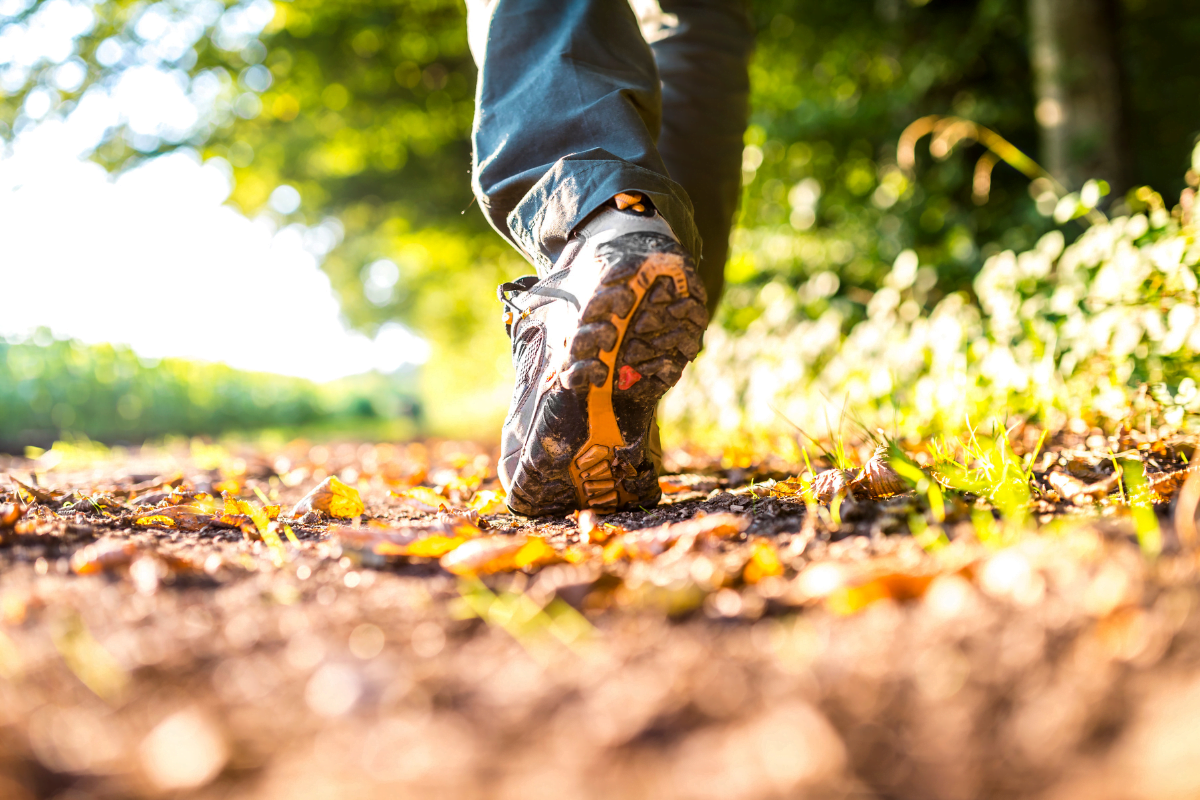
636,335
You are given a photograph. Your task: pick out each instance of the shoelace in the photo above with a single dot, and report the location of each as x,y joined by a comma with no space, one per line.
528,284
631,202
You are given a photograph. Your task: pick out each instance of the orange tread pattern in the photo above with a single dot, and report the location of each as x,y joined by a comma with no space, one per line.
592,469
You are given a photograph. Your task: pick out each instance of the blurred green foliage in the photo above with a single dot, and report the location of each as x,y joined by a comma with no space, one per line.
834,85
50,389
826,209
366,109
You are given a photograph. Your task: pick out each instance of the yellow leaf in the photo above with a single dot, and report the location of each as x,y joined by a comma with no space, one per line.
614,551
429,547
234,506
498,553
789,488
188,518
764,562
243,522
489,502
155,519
331,497
578,554
422,498
426,541
463,485
535,553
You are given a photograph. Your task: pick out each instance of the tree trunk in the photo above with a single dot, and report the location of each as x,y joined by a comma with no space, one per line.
1079,88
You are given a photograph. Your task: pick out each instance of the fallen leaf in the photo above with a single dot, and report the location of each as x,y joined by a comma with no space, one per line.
416,541
489,501
790,487
421,498
434,546
830,483
579,553
670,484
498,553
10,513
155,519
1065,486
97,558
890,586
189,497
331,497
31,493
456,517
462,487
878,479
185,518
764,562
593,530
234,506
97,501
678,484
649,543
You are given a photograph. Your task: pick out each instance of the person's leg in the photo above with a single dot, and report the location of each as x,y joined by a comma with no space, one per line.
567,117
702,48
568,109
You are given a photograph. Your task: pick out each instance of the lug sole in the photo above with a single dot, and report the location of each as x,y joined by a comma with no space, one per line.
639,331
590,445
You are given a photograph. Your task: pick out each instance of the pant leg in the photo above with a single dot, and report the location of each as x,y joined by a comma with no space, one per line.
568,108
702,48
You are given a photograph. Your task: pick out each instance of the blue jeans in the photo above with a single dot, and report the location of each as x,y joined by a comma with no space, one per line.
581,99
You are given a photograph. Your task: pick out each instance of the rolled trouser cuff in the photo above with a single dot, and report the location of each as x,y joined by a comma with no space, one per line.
580,183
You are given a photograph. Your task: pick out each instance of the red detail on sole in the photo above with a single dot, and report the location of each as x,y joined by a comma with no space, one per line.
627,377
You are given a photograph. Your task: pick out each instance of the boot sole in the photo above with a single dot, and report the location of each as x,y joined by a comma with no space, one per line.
638,331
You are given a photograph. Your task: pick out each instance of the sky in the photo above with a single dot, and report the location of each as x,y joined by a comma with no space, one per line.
154,258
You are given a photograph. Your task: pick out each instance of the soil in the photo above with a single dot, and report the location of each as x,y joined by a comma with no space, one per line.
205,663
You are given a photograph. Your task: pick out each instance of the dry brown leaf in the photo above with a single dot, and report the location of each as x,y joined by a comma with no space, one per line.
1068,487
331,497
184,518
830,483
650,543
788,488
31,493
878,479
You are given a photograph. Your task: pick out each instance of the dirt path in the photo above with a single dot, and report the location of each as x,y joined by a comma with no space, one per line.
662,657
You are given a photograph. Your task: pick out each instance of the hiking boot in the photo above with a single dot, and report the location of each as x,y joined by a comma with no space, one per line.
596,343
